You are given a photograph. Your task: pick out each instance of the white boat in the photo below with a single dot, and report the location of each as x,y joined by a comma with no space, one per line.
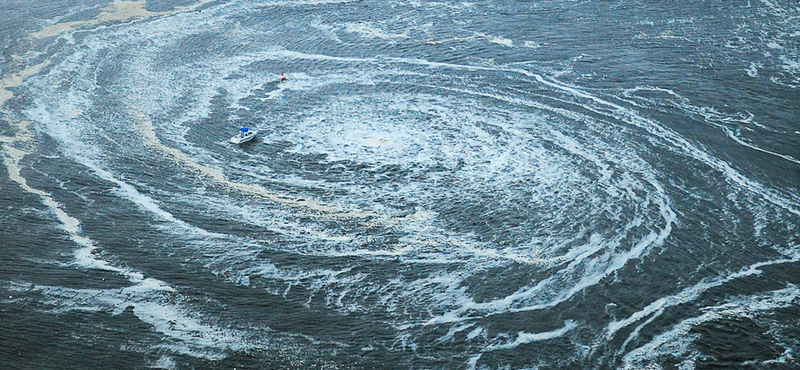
245,134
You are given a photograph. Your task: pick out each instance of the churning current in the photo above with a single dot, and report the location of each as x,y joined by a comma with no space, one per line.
544,184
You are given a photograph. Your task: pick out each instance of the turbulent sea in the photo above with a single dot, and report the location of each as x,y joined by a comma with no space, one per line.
543,184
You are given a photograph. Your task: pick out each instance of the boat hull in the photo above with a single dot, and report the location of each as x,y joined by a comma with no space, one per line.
243,139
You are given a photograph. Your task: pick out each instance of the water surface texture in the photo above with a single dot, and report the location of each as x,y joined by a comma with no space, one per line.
544,184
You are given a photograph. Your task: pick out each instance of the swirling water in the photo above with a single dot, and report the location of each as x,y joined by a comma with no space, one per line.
542,184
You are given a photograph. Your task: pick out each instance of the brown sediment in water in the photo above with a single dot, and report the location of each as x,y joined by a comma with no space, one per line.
147,132
23,137
16,78
118,11
115,12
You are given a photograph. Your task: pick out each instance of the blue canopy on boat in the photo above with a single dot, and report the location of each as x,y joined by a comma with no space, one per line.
243,129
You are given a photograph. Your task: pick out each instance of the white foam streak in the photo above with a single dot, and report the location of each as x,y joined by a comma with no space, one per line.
65,128
739,141
13,156
676,341
85,255
687,295
521,339
184,332
369,31
561,286
526,338
680,142
716,119
164,317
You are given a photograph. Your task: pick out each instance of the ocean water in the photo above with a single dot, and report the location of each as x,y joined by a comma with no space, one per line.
545,184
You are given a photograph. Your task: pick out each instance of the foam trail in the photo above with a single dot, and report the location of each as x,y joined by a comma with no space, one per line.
712,117
523,338
184,332
675,342
166,318
515,302
656,129
739,141
526,338
13,156
653,127
687,295
84,256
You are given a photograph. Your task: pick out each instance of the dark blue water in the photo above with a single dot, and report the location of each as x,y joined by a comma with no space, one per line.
493,185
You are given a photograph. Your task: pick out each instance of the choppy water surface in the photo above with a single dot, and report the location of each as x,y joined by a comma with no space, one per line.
541,184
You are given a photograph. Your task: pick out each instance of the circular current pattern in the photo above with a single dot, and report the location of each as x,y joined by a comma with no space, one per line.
433,185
